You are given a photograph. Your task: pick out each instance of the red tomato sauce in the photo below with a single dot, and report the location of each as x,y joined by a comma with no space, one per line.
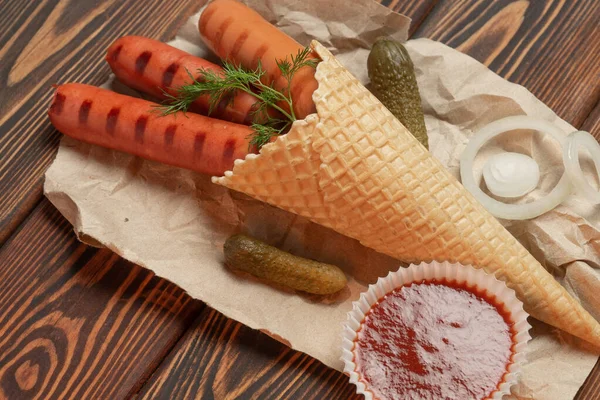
434,340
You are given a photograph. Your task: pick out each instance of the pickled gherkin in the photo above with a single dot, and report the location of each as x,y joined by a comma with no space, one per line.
269,263
393,81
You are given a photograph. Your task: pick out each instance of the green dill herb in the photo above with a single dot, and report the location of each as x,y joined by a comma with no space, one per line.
220,86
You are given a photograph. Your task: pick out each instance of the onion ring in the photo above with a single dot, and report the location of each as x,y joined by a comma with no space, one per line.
497,208
571,159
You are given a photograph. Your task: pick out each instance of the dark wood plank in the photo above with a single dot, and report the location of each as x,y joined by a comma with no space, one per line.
44,42
591,388
592,123
416,10
222,359
550,47
77,322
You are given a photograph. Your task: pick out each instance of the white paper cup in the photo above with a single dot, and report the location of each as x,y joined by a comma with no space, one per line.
454,273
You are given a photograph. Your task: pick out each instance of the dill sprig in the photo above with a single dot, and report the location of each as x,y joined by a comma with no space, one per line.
223,87
263,134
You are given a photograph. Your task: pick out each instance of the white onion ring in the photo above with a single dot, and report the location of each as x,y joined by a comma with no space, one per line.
498,208
571,159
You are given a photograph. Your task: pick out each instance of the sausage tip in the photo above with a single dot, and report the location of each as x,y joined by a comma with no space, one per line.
57,103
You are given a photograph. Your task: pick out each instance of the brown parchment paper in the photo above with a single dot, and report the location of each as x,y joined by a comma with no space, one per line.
175,222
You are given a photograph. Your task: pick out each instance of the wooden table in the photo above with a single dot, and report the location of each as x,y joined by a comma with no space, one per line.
77,322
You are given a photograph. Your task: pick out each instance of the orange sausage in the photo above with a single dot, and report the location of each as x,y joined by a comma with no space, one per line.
128,124
152,66
237,33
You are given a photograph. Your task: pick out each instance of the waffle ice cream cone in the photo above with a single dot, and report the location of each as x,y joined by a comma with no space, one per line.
355,168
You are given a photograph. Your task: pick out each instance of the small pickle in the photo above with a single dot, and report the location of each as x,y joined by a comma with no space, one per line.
393,81
263,261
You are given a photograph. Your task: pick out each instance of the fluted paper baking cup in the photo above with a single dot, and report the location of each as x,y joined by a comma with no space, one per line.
452,273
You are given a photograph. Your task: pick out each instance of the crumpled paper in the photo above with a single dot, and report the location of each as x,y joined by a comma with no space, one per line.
175,222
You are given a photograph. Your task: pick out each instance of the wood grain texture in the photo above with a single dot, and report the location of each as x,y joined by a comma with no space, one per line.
551,47
592,123
77,322
219,358
416,10
46,42
591,388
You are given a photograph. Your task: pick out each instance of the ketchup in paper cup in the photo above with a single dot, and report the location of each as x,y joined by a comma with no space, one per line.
435,331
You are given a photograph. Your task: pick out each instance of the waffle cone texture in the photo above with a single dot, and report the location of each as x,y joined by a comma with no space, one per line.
355,168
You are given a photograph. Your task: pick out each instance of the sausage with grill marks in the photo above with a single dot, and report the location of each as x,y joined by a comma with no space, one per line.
237,33
154,67
108,119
